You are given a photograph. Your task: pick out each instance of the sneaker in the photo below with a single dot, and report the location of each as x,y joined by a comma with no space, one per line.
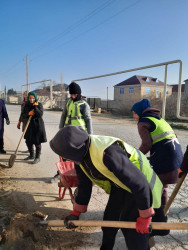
30,157
2,151
55,178
36,160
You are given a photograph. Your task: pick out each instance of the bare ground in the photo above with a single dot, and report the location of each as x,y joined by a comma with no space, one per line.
26,188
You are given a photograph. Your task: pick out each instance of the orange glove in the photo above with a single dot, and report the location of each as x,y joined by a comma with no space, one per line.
18,125
31,112
180,172
35,104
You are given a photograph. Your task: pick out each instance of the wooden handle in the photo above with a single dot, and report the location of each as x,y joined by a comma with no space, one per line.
118,224
174,193
26,126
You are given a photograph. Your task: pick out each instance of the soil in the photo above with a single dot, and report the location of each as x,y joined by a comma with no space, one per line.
20,217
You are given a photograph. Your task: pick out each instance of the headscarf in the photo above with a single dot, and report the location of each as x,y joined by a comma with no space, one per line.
31,93
139,107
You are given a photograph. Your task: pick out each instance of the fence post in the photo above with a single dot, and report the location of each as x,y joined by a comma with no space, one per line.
51,96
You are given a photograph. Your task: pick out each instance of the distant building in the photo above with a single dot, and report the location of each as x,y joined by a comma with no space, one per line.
184,89
138,87
175,88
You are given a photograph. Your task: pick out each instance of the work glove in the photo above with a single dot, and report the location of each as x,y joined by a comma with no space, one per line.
184,164
143,225
35,104
7,121
18,125
143,222
73,216
31,112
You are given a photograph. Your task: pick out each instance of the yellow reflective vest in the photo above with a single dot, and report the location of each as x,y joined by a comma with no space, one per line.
97,147
162,131
74,116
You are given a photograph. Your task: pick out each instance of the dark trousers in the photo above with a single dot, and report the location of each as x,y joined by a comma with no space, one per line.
121,206
30,147
1,143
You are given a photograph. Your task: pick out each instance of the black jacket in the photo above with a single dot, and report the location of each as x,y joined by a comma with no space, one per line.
35,133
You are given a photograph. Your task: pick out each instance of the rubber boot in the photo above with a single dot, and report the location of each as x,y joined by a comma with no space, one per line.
31,154
37,157
36,160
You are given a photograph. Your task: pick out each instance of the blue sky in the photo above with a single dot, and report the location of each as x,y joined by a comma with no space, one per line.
83,38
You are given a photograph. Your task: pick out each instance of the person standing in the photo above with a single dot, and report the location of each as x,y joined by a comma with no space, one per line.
35,134
124,173
76,112
159,138
3,115
24,121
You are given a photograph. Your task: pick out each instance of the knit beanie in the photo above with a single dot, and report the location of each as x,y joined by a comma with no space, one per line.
139,107
71,143
31,93
74,88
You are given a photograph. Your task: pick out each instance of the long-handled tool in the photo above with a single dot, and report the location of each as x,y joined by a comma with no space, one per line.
13,156
118,224
174,193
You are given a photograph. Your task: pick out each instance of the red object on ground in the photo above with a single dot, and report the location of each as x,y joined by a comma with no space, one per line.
68,178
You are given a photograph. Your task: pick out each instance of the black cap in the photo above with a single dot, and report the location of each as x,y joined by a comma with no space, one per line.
74,88
71,143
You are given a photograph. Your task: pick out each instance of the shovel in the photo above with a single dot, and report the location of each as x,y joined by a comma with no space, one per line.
13,156
117,224
174,193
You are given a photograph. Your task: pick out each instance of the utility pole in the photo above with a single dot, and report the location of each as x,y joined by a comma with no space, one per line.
5,94
27,78
61,78
107,99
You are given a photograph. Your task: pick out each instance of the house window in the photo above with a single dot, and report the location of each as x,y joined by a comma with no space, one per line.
121,91
131,90
147,90
157,93
167,91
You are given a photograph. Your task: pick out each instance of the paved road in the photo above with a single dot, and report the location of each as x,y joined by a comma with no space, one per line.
125,129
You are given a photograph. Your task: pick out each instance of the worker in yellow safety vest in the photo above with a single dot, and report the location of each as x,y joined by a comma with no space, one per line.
159,138
124,173
76,112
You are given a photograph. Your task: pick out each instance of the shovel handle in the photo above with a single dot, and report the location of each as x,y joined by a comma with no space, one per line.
174,193
117,224
25,129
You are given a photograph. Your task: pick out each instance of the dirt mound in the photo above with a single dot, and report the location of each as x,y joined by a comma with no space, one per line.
23,232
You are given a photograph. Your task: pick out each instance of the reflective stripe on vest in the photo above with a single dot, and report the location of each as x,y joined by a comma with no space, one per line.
162,131
153,178
98,146
74,116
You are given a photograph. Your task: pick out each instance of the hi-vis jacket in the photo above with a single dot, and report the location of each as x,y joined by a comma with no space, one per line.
74,116
97,147
162,131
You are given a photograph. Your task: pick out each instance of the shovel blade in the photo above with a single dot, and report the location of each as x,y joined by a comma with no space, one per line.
12,160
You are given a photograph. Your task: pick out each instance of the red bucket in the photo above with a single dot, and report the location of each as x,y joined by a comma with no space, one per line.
68,177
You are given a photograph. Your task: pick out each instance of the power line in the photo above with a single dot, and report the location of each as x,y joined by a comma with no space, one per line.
67,30
75,25
12,67
94,27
